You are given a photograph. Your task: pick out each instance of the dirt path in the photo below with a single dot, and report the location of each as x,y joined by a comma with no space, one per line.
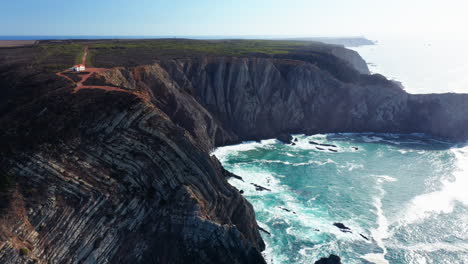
90,71
85,54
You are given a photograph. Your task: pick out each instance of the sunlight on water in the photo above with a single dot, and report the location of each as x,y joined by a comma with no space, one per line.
429,64
402,196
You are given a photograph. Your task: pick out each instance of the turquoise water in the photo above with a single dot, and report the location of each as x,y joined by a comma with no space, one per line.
408,194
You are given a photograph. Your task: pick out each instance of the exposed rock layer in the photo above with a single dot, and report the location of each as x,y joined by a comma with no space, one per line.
261,98
108,177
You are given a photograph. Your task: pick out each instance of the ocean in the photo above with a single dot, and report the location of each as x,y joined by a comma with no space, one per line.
403,197
423,64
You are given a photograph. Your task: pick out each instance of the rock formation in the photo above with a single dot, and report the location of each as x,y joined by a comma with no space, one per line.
257,98
332,259
116,177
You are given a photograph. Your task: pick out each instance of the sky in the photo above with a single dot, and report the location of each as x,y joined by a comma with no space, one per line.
232,18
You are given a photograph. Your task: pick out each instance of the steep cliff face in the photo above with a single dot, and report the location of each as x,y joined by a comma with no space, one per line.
126,176
119,182
352,57
256,98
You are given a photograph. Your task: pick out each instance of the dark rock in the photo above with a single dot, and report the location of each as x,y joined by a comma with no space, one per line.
296,139
229,174
160,132
285,138
343,228
333,150
363,236
319,148
293,144
260,188
263,230
321,144
241,191
355,148
332,259
286,209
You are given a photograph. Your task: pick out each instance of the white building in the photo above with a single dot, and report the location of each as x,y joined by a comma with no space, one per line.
78,68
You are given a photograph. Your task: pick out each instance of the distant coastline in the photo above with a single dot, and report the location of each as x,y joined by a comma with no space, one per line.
352,41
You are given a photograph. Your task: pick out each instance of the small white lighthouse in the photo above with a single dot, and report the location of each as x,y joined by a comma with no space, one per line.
78,68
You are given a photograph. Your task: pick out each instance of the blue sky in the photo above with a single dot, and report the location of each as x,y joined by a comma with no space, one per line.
241,17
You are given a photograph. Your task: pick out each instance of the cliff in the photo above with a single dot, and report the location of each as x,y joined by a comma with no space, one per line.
119,183
124,175
255,98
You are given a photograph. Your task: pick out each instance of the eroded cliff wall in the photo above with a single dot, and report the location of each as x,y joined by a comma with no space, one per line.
116,181
126,176
255,98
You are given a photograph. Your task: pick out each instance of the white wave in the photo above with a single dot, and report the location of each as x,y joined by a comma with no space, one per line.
256,176
417,142
223,152
380,233
437,246
289,154
352,166
443,200
310,162
273,161
386,178
377,258
306,251
370,139
316,162
303,142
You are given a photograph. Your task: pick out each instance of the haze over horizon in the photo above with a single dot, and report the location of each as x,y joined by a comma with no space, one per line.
297,18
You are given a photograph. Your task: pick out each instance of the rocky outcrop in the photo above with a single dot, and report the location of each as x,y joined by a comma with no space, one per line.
257,98
112,177
332,259
353,58
121,183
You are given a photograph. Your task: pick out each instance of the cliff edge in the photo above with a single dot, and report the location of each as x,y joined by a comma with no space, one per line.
119,170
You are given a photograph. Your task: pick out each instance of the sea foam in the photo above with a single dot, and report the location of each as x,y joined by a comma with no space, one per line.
443,200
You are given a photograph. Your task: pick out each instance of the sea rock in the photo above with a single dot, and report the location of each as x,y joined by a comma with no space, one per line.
322,144
264,231
342,227
332,259
260,188
286,209
363,236
285,138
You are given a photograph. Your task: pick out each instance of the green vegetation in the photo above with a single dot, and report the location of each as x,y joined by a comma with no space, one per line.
58,57
89,62
53,56
24,251
79,57
214,47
